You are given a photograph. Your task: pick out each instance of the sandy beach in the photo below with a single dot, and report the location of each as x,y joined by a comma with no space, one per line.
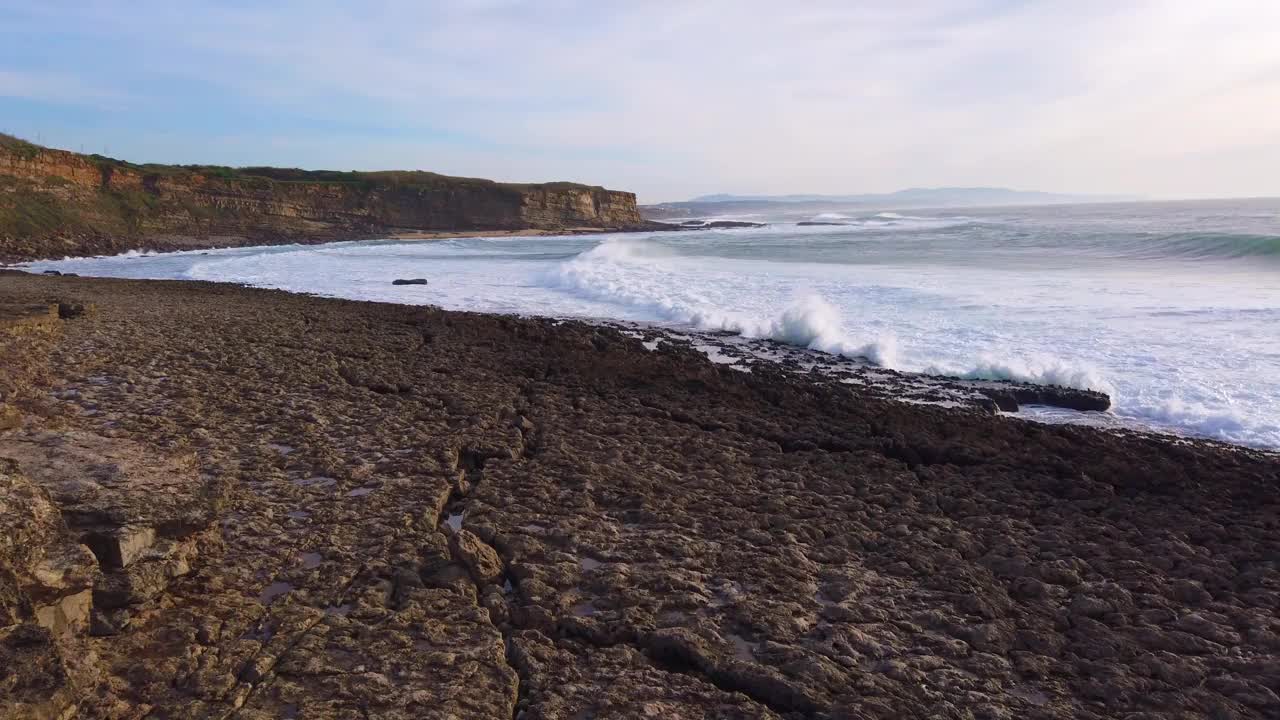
316,508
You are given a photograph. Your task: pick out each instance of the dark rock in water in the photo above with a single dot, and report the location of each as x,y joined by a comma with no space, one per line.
1004,398
1069,398
1011,396
413,281
808,223
52,272
719,224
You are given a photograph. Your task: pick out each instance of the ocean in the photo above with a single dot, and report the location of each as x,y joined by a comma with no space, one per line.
1171,308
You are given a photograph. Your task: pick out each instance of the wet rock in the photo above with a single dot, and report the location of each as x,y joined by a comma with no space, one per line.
409,281
719,224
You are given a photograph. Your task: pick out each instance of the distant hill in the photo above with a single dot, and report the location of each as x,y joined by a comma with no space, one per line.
923,197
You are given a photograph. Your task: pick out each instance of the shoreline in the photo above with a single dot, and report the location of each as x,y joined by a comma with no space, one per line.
187,243
1065,405
320,507
988,396
995,395
530,232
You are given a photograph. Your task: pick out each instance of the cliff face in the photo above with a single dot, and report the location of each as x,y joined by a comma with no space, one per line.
54,203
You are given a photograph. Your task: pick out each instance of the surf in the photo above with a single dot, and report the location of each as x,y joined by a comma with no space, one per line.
1170,314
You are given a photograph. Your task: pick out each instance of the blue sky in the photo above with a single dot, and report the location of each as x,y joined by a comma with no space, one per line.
1167,98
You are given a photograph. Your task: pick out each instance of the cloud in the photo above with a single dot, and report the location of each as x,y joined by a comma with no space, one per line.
675,98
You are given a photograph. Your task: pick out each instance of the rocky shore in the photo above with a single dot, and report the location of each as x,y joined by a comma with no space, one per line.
221,502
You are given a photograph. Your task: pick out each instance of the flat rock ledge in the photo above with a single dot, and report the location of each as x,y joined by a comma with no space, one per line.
221,502
94,530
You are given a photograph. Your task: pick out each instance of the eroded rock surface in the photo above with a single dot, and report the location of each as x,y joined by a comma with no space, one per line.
435,514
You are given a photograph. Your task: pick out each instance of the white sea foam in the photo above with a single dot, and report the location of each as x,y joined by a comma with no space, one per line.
1181,339
1033,367
627,271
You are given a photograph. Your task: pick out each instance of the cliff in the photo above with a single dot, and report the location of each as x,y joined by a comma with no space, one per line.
54,203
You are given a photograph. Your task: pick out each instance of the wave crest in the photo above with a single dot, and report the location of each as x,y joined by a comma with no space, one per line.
1039,369
631,272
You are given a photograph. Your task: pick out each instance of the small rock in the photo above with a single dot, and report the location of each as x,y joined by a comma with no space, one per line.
68,310
411,281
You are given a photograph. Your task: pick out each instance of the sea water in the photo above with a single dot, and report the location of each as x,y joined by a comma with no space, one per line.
1171,308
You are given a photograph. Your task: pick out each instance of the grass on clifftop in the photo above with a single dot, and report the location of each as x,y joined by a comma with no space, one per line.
19,147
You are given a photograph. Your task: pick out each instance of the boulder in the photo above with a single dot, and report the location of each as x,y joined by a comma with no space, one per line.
411,281
480,559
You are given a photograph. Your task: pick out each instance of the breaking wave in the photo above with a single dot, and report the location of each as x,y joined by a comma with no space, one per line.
623,271
1038,368
632,272
1169,309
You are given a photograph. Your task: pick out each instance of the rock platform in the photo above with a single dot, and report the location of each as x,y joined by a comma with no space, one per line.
221,502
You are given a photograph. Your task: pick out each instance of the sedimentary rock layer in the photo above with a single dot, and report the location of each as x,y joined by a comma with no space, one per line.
55,203
434,514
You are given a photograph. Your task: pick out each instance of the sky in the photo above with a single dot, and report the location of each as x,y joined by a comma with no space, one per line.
670,99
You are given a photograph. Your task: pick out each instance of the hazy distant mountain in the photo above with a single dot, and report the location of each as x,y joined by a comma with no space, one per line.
923,197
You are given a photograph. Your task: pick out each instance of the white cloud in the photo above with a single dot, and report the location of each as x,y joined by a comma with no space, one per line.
1172,97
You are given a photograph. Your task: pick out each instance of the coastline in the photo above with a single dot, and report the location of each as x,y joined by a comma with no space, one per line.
409,510
100,246
1028,400
1036,400
530,232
